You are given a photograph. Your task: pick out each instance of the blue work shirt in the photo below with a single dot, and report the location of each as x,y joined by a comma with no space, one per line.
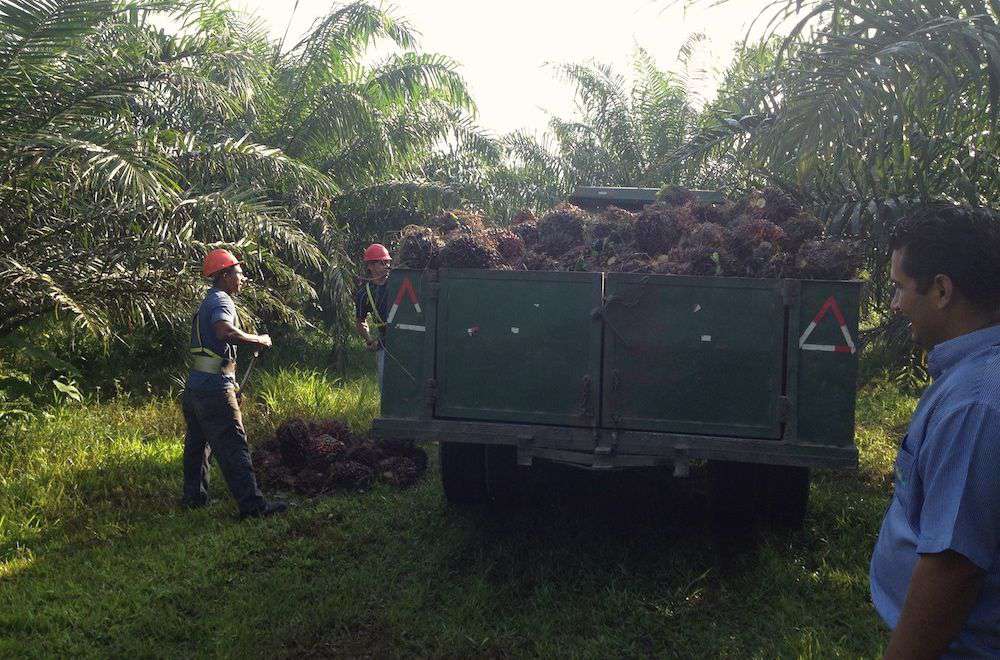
217,306
947,487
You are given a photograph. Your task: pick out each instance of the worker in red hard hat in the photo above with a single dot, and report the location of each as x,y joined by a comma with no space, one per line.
214,423
371,300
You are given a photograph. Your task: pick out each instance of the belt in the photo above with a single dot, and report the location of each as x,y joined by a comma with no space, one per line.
213,365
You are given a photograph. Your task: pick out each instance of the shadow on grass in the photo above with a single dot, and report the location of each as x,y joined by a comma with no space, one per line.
597,567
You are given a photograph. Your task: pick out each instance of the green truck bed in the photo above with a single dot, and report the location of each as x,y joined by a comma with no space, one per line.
607,371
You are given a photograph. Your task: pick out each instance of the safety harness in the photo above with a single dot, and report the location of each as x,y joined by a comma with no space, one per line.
205,359
378,322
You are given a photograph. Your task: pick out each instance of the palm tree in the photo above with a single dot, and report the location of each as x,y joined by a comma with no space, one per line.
115,175
870,107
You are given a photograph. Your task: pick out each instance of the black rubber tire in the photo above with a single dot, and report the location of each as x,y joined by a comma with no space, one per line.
784,495
734,495
502,476
463,472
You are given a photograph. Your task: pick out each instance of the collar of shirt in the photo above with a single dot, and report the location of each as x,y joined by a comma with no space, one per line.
949,353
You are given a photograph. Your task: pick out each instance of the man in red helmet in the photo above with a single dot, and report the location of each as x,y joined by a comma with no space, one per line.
211,410
371,299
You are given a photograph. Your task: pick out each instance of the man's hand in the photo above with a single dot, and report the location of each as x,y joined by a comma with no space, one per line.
943,589
263,341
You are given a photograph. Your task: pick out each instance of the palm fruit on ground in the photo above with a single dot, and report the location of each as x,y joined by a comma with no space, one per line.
399,471
293,441
366,452
332,427
324,449
350,474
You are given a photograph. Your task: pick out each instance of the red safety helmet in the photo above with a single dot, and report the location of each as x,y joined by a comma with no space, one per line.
217,260
377,252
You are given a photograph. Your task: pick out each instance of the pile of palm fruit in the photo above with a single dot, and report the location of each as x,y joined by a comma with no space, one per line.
765,235
318,457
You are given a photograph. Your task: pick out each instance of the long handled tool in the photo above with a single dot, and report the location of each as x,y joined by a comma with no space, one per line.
246,374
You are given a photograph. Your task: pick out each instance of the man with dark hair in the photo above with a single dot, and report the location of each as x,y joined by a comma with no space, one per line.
935,574
211,410
371,299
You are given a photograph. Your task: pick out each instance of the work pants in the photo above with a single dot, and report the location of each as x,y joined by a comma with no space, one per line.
215,426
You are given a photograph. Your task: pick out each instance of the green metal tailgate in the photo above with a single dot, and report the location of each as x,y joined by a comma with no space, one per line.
519,346
694,355
409,344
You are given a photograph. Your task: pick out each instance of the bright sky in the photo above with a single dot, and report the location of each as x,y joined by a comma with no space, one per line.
503,46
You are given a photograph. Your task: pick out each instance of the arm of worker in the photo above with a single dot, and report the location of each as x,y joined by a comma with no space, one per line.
370,342
943,588
227,332
959,529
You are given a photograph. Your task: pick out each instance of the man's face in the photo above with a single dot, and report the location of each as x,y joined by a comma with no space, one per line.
377,269
234,280
923,310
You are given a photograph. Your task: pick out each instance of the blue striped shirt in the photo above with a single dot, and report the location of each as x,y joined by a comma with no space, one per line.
947,487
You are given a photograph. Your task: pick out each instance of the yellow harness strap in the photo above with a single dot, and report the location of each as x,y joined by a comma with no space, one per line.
379,323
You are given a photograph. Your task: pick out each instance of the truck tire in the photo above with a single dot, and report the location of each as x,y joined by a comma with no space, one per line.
735,494
463,472
502,478
784,495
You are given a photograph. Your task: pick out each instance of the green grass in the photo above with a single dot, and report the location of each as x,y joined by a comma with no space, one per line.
97,560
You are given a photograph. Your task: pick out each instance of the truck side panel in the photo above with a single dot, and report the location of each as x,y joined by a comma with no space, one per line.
698,355
519,347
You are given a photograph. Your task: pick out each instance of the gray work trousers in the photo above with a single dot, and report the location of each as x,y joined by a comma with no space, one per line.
215,426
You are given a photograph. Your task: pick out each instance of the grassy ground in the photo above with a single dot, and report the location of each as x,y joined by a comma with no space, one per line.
97,560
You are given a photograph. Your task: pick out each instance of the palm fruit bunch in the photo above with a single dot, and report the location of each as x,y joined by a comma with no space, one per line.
828,260
470,251
294,441
419,247
324,449
561,229
351,474
613,225
659,227
367,453
398,471
509,246
312,458
763,234
771,204
457,221
675,196
799,229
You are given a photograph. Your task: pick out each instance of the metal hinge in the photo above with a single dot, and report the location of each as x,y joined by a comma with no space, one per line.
430,395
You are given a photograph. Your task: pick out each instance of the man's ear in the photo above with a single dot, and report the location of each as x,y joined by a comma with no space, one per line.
944,291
